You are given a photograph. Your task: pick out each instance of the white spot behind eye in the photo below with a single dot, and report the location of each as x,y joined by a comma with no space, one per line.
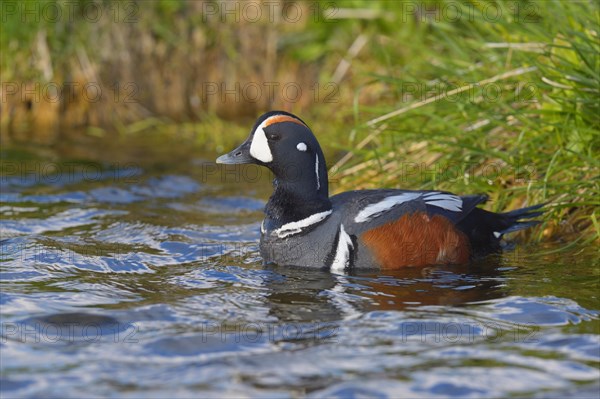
301,146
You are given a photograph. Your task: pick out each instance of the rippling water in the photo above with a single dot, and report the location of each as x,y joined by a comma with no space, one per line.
132,269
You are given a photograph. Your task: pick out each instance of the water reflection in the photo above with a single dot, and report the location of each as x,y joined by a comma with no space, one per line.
155,286
300,294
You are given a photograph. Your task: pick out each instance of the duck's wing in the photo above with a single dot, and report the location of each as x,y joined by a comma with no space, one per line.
368,209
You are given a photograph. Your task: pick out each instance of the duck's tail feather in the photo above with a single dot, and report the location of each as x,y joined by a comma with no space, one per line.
485,229
519,219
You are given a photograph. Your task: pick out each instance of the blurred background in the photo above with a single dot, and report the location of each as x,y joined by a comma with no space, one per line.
498,97
129,260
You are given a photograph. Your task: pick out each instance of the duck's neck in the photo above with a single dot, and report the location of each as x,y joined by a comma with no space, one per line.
297,196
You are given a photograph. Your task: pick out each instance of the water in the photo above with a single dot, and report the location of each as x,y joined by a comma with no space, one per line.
131,269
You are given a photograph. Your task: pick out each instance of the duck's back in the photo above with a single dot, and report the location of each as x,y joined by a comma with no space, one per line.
389,229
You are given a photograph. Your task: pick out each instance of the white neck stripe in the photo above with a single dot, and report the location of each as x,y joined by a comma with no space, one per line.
291,228
317,171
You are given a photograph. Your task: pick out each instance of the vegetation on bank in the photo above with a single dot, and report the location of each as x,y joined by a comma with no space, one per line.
495,97
507,105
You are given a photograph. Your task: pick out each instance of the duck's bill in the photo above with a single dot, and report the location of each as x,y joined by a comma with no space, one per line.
240,155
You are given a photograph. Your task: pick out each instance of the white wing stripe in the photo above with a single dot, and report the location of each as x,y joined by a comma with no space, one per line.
449,204
382,206
445,201
440,197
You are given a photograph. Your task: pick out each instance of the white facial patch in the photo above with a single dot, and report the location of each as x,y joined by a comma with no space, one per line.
373,210
292,228
342,252
259,148
301,147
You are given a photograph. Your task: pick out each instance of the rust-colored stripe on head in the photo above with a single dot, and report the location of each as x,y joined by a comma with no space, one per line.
417,240
283,118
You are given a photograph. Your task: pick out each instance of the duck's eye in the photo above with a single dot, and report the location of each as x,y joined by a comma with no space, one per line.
273,136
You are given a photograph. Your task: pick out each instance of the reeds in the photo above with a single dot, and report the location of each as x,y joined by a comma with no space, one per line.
498,97
507,106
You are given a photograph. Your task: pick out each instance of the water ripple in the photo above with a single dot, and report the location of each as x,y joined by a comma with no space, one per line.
155,287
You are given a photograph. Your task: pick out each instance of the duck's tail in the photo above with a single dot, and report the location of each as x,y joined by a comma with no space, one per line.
519,219
485,229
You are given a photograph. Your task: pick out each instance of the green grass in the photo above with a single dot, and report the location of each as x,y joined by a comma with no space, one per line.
508,107
503,99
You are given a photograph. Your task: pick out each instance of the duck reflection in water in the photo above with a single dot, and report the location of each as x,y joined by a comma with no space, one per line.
308,295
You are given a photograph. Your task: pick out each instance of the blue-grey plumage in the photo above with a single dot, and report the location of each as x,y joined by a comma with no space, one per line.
386,228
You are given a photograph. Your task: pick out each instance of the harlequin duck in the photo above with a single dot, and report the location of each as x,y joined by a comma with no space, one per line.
385,229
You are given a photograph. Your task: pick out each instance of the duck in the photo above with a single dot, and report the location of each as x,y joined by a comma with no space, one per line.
382,229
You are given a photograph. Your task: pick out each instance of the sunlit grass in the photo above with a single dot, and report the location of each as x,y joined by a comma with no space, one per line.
504,103
504,107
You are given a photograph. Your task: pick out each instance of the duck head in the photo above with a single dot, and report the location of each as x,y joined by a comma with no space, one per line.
285,144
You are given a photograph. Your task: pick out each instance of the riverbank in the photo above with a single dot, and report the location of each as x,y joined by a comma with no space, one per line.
500,99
